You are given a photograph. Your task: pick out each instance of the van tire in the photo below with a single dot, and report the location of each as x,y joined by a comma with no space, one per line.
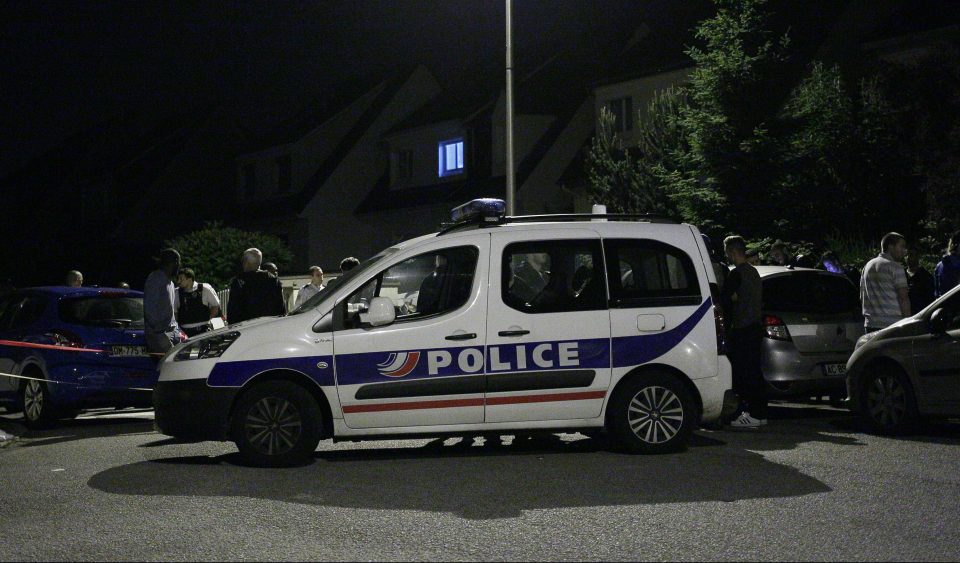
276,424
652,414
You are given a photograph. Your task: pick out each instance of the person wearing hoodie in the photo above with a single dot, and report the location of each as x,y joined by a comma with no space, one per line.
947,274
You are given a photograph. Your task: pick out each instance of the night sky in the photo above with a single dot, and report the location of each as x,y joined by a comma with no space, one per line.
69,65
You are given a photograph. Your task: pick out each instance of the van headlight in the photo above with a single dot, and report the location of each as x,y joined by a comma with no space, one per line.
210,347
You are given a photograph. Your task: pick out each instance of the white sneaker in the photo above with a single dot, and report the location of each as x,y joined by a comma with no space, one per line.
747,421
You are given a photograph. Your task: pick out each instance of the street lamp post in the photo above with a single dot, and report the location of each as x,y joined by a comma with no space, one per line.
511,189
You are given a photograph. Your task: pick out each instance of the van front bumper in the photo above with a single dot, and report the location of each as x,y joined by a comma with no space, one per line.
191,409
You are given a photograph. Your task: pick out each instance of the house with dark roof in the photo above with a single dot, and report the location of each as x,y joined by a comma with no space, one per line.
308,158
401,180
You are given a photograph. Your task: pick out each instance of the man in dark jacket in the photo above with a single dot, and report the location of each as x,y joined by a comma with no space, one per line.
947,274
254,293
742,302
920,283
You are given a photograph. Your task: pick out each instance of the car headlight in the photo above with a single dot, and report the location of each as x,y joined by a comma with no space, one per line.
866,338
211,347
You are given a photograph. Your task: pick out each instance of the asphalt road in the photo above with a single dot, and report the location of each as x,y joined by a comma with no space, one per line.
808,486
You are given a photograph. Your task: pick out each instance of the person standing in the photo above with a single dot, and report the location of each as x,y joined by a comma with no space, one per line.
884,289
160,324
741,298
312,288
74,279
920,283
254,292
272,268
947,272
778,255
195,304
348,264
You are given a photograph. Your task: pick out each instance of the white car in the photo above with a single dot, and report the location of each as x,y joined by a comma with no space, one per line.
492,326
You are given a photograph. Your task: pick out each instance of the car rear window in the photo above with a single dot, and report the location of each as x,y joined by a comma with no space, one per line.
118,312
810,292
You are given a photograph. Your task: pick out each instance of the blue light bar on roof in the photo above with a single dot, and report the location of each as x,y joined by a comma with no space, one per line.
486,209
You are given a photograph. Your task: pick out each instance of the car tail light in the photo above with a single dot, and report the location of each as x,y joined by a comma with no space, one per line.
718,321
65,338
775,328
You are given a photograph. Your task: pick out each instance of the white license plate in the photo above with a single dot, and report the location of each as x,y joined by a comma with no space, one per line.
834,369
128,351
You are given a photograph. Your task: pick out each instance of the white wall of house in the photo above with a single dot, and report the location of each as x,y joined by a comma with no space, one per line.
423,143
541,192
334,231
640,91
306,154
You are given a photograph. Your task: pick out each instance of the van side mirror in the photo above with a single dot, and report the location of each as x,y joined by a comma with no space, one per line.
939,321
380,312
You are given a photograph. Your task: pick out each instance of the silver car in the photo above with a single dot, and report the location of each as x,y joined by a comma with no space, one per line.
910,370
812,320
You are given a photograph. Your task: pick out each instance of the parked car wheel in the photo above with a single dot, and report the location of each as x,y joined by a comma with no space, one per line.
652,414
276,424
38,409
889,406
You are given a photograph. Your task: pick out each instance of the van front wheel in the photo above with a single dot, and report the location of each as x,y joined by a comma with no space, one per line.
652,414
276,424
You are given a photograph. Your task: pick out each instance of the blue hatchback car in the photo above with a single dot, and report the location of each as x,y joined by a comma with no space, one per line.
64,349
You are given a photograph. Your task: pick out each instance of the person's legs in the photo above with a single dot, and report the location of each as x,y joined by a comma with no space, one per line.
756,386
736,355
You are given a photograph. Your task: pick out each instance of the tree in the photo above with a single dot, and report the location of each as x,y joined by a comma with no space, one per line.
735,93
613,174
214,251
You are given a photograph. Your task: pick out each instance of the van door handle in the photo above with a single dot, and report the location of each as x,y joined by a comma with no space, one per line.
464,336
513,332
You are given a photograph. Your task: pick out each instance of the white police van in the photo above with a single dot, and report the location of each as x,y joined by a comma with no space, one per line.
494,325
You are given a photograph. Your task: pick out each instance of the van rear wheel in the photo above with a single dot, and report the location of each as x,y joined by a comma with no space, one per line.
276,424
652,414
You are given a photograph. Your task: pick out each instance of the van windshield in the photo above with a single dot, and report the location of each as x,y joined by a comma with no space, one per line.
328,289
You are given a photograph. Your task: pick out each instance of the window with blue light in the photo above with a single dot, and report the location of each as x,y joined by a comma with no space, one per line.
450,157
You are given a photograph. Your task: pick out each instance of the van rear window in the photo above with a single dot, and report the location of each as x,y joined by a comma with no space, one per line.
810,292
120,312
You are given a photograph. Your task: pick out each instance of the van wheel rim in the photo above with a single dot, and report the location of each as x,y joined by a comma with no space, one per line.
33,400
887,400
273,426
655,415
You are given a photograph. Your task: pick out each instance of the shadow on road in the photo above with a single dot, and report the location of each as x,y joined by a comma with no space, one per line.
91,425
492,480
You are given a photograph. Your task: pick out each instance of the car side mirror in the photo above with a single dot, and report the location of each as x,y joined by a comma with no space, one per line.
380,312
939,321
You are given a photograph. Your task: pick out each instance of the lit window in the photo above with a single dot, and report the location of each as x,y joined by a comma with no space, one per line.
622,110
450,157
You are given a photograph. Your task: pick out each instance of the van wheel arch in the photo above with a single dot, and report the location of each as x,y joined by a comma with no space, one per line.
297,378
661,369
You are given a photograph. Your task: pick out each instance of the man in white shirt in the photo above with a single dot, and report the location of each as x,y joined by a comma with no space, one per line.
312,288
884,288
195,303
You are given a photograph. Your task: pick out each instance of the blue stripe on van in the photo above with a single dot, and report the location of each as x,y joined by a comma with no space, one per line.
636,350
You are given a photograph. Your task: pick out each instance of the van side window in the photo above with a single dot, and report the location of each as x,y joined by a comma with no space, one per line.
423,286
553,276
649,273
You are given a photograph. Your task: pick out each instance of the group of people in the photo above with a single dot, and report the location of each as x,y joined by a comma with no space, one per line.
176,306
893,286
